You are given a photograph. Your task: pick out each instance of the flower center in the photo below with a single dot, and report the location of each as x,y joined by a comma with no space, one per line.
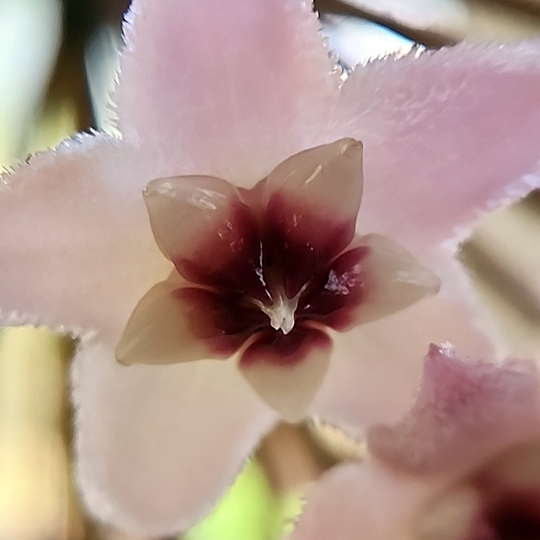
281,312
263,271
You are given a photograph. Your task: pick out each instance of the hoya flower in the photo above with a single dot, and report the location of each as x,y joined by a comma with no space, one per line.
265,271
462,465
241,283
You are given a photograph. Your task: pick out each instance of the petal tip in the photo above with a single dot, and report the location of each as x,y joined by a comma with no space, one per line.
351,147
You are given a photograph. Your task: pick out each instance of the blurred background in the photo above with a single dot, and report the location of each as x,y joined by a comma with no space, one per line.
58,60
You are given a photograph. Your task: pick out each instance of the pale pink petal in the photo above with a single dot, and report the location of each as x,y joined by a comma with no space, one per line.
287,371
158,445
465,413
177,324
447,135
77,237
209,233
376,367
76,246
363,502
228,89
312,200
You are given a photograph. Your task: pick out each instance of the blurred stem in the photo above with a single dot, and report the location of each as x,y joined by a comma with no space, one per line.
289,458
29,38
430,39
35,493
31,377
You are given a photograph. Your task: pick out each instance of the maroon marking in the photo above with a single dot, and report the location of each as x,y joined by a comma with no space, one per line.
508,513
331,298
231,258
259,248
300,242
221,319
285,350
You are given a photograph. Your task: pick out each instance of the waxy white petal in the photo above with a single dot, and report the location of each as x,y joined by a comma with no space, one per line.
178,323
394,278
210,234
373,278
203,202
158,331
311,202
328,180
287,377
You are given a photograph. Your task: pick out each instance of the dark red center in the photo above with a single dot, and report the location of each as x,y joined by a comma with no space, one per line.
264,252
508,514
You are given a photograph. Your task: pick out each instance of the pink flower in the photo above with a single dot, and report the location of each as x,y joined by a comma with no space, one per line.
231,94
266,272
462,465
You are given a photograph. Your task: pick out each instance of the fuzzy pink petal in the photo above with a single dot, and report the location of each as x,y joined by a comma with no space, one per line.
77,250
447,135
465,413
362,501
376,366
228,89
76,246
158,445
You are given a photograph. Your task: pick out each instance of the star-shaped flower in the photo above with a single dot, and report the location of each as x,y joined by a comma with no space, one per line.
245,140
461,465
267,271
